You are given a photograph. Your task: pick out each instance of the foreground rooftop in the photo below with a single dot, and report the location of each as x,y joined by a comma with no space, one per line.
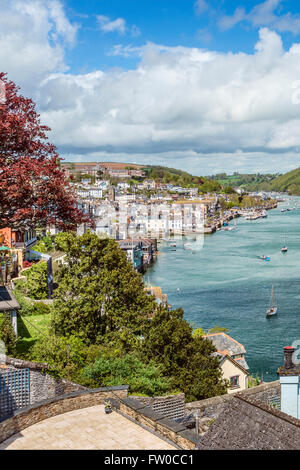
87,428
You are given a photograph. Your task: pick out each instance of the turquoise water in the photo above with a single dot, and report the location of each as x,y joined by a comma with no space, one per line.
226,284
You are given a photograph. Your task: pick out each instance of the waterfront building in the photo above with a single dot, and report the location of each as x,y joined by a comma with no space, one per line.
233,372
134,251
224,344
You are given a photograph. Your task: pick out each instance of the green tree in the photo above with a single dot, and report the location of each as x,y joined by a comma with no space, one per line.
99,291
36,285
7,334
189,361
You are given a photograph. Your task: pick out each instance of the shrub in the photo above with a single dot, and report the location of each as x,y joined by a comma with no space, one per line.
44,245
7,334
129,370
28,307
36,286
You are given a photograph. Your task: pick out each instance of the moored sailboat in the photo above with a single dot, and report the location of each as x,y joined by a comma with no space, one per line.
272,310
284,248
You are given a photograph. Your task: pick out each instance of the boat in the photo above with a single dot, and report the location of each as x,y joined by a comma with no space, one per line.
272,310
187,246
173,245
264,214
284,248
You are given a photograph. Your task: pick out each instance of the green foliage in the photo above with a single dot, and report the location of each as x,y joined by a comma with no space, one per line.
63,240
7,334
28,307
178,177
248,182
289,182
142,378
45,245
64,355
218,329
253,381
36,285
198,332
99,291
229,190
187,360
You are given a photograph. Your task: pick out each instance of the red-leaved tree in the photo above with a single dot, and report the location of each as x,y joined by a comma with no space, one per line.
34,191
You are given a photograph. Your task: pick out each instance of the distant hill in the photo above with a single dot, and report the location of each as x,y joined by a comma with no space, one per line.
288,182
181,178
248,182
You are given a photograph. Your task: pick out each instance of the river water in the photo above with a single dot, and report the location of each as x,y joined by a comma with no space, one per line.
225,283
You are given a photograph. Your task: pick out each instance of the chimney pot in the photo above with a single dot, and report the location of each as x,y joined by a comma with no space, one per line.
288,357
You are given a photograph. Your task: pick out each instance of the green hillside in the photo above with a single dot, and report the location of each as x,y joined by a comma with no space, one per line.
181,178
289,182
248,182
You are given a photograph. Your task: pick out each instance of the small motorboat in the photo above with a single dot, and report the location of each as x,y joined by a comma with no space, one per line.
187,246
265,258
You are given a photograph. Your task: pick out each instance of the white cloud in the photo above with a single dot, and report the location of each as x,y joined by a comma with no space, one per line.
33,36
108,26
188,107
184,101
263,14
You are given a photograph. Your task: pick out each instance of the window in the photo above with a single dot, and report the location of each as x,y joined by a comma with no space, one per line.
234,381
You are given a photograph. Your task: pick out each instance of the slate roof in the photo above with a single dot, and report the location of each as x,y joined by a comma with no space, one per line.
239,363
224,343
229,346
246,423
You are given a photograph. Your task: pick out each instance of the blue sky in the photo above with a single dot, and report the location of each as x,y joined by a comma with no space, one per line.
168,22
201,85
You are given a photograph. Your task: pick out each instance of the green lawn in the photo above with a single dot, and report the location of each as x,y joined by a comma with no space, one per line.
30,329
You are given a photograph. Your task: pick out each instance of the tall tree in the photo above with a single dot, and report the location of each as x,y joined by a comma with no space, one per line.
33,188
99,292
188,360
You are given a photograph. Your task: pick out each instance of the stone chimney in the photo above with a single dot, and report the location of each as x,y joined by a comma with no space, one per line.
290,384
288,352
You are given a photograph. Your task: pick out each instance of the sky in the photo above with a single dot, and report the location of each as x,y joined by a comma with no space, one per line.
205,86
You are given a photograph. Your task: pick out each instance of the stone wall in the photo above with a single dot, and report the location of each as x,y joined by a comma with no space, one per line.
32,414
179,434
171,406
42,385
268,393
